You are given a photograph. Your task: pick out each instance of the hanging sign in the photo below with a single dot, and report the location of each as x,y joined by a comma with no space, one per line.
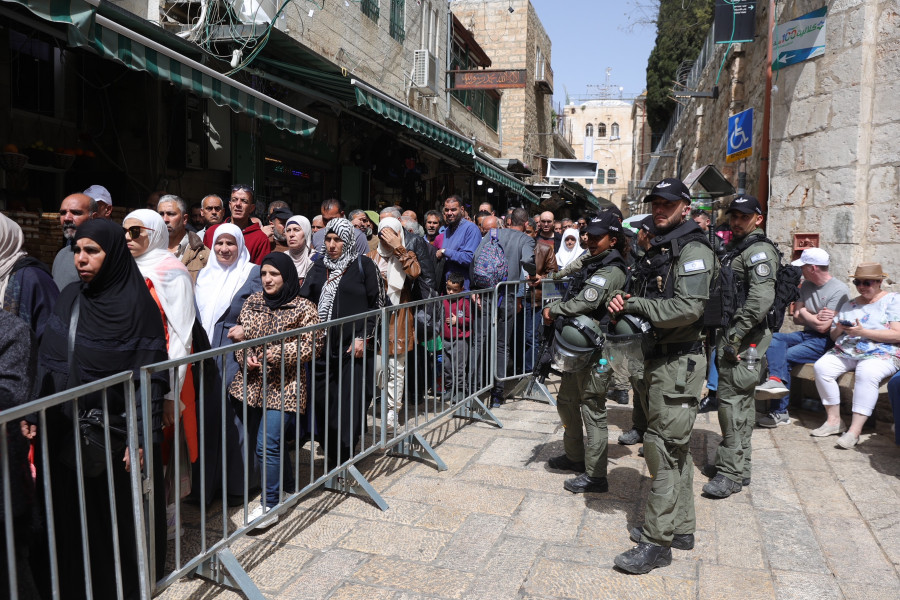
488,80
735,21
799,40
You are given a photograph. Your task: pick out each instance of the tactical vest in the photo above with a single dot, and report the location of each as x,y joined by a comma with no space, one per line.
654,274
590,266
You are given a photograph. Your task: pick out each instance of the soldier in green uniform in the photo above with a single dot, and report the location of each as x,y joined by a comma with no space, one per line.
754,261
671,286
581,401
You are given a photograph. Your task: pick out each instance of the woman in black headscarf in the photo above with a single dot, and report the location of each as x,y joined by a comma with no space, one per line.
117,328
273,378
343,284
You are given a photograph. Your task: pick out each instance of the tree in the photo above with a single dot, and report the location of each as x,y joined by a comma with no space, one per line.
681,28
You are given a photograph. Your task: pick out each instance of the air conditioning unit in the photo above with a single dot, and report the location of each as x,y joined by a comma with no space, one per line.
425,72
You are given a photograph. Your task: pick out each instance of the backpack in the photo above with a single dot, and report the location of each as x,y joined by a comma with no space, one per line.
491,266
787,290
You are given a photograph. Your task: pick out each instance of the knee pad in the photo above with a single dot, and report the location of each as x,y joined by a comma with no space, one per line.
652,454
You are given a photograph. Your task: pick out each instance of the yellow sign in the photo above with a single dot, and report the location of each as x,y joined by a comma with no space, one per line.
739,155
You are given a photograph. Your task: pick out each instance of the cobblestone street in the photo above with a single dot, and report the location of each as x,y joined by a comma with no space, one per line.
816,522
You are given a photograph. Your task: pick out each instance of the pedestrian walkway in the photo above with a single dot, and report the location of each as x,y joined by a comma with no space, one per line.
817,522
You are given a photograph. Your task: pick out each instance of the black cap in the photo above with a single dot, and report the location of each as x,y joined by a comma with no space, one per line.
670,189
281,213
603,223
745,204
646,224
614,210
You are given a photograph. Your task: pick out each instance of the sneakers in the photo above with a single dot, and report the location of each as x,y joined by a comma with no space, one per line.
563,463
680,541
711,471
631,437
773,420
771,389
825,430
721,487
643,558
619,396
390,421
585,483
257,513
848,441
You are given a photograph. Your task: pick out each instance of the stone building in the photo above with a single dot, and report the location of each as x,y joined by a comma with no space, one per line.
603,132
833,166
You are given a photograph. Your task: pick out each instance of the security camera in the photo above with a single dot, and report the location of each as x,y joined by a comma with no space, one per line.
511,10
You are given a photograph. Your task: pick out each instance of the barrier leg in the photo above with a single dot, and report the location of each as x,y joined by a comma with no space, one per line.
224,569
408,447
475,410
530,388
351,481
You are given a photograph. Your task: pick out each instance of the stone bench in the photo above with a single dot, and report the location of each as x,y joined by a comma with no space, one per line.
803,385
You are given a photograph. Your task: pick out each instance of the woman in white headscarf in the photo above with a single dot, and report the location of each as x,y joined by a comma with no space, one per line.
399,268
569,249
343,284
298,232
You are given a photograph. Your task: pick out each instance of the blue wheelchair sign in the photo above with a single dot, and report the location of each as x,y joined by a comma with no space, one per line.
739,143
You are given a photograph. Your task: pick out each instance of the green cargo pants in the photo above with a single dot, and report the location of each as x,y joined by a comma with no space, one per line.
581,404
673,385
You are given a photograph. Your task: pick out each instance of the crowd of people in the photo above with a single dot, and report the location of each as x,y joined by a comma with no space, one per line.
175,279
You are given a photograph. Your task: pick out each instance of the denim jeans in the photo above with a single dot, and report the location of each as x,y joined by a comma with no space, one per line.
533,333
270,438
894,397
712,380
787,350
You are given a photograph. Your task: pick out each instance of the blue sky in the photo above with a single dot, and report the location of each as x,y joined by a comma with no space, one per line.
588,36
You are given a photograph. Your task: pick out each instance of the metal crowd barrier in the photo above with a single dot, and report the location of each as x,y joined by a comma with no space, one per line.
418,379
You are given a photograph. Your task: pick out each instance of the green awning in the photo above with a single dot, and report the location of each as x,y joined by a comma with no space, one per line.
578,191
140,53
392,110
505,179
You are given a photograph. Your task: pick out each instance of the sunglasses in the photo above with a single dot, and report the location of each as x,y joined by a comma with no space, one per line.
241,186
865,282
134,232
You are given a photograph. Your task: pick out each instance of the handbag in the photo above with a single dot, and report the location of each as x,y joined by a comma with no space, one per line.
91,436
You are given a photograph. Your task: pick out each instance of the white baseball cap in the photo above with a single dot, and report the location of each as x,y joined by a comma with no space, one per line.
812,256
99,193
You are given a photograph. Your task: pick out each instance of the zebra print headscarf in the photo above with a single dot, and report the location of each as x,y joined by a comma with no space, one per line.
336,268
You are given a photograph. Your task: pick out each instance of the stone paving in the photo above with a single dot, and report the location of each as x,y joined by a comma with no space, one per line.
817,522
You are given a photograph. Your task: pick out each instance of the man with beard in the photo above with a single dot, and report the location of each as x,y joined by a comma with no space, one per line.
74,210
361,221
185,245
461,238
670,288
278,219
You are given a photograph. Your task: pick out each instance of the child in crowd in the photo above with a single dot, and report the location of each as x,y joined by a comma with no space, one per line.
457,315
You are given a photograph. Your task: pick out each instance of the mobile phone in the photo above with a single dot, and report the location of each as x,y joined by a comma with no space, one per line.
846,323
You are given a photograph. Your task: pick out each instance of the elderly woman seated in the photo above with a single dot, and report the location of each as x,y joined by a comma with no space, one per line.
866,331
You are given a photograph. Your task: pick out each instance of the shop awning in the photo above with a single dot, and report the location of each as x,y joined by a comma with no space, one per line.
393,110
500,177
138,52
578,192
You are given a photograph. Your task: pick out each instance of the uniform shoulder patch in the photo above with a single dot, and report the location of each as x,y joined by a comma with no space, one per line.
598,280
591,294
763,270
759,256
694,265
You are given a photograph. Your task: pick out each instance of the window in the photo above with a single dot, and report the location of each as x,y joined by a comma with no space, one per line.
397,20
601,129
614,131
538,64
589,130
484,104
369,8
601,176
611,177
430,27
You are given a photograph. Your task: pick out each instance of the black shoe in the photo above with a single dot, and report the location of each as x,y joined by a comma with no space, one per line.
631,437
643,558
641,451
721,487
619,396
585,483
496,402
708,403
563,463
680,541
711,471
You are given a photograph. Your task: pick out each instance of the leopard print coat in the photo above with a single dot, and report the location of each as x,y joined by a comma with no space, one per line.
258,320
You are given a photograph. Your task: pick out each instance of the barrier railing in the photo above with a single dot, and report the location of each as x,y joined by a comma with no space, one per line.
414,364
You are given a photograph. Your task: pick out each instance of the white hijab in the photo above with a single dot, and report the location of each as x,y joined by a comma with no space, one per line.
566,256
11,241
388,264
217,285
301,256
171,280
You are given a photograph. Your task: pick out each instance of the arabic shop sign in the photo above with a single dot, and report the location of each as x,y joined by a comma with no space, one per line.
800,39
488,80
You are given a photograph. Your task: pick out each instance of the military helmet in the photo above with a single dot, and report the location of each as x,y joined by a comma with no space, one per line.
575,342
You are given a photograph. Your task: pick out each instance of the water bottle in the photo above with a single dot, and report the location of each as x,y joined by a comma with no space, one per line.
752,358
602,366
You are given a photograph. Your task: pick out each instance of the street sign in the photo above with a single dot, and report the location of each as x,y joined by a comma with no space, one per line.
735,21
799,40
739,143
